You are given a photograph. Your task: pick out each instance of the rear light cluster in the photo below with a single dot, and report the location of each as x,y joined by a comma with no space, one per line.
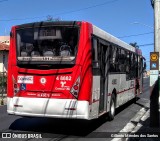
75,88
15,86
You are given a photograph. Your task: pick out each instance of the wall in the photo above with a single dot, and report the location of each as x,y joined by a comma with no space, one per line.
5,61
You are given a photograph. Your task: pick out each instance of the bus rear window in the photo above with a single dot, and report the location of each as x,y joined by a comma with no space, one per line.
47,44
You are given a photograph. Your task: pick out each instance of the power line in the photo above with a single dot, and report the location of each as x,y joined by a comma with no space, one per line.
150,44
89,7
63,13
135,35
146,45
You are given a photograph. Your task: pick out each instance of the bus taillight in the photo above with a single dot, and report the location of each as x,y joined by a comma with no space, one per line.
16,88
75,88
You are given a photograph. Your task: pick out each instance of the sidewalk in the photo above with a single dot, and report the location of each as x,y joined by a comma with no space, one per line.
138,129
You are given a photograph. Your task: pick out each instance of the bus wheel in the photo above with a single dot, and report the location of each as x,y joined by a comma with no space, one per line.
112,107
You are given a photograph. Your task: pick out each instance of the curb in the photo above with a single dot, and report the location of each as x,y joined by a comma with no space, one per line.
134,124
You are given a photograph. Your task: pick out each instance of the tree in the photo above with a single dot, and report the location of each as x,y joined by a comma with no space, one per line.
134,45
50,18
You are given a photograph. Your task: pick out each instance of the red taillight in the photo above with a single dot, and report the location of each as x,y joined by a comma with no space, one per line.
15,86
75,88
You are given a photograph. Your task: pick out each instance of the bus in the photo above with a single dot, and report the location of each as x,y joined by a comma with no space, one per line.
70,69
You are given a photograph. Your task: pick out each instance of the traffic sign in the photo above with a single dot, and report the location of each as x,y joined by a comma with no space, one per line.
154,57
154,60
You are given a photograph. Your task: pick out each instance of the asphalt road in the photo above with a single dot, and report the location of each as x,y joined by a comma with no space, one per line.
70,130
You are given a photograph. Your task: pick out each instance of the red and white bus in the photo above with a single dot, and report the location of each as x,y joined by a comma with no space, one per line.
70,69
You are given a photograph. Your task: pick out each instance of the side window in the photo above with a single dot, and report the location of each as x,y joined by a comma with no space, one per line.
94,50
127,65
116,59
113,59
133,66
139,66
122,60
95,53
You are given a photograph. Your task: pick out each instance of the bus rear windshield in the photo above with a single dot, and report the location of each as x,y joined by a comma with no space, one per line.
47,45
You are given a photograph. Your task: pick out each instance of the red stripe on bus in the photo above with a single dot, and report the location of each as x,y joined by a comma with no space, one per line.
125,90
109,94
94,101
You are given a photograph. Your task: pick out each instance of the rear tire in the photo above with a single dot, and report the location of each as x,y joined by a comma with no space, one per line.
112,107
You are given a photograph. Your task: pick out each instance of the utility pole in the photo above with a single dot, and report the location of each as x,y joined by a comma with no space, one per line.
157,25
154,77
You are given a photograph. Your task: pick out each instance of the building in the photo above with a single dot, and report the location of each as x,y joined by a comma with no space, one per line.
5,40
4,50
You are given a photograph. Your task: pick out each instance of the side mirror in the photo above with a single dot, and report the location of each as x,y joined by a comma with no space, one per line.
144,67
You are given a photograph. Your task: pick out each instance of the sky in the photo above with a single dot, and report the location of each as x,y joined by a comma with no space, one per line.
129,20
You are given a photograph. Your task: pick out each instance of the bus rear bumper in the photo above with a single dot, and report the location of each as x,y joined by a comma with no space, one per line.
44,107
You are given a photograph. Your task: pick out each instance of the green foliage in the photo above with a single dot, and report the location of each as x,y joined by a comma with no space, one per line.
3,80
134,45
50,18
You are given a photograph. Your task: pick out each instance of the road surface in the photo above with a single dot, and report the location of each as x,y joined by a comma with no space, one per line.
71,130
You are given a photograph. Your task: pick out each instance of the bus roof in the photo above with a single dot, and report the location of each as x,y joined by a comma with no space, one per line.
110,38
47,23
96,31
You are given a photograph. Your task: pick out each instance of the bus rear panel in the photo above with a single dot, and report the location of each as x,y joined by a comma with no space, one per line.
46,76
